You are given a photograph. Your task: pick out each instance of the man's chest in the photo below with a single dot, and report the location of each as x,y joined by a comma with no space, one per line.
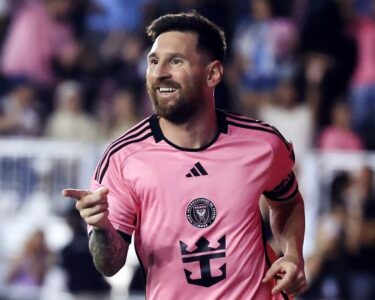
179,183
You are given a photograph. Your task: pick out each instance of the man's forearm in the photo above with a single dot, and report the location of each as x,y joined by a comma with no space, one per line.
108,250
288,226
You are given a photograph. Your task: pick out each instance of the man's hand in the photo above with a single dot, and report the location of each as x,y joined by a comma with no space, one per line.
106,245
92,206
289,275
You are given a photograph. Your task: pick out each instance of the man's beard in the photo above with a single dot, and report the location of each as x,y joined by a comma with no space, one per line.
183,108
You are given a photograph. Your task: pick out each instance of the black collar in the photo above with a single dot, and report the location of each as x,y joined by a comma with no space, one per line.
159,136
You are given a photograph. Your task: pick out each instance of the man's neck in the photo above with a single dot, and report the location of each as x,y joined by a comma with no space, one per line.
194,134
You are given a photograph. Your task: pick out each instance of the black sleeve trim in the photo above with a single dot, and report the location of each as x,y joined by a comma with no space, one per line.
291,196
126,237
281,189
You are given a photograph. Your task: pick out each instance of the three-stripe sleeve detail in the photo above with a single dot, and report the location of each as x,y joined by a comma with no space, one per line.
243,122
135,135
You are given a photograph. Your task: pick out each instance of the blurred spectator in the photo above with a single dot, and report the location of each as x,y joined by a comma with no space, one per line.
83,280
328,56
123,56
19,115
363,7
360,237
28,271
263,49
363,81
69,121
285,112
114,34
78,15
339,135
123,115
8,8
322,27
38,35
117,15
343,265
326,268
4,18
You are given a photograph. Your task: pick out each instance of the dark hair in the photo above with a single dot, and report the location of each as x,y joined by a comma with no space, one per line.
210,37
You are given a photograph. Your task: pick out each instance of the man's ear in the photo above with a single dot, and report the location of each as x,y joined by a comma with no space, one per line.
215,73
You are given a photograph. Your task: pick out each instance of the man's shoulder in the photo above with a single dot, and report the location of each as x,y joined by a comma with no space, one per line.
132,141
133,137
247,128
250,125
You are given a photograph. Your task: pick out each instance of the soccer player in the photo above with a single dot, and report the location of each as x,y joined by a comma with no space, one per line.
186,183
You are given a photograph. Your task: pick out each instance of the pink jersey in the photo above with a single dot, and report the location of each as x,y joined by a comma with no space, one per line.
195,212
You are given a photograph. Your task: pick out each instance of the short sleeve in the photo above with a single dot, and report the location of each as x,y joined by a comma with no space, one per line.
282,184
121,200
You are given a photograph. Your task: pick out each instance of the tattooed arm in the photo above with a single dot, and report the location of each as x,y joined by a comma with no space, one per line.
108,248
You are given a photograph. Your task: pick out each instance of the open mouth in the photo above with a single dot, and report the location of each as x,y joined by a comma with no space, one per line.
166,91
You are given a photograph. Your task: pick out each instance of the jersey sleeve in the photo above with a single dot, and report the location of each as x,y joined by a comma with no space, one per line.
121,200
282,184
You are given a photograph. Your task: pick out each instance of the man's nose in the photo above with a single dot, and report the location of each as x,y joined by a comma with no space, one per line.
161,70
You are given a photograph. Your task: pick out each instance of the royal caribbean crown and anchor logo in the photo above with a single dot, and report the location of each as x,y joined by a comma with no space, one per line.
201,213
204,254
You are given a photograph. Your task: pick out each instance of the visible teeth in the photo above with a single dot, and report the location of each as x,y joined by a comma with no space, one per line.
166,89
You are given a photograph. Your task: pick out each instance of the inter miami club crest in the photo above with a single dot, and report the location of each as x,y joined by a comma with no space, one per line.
201,212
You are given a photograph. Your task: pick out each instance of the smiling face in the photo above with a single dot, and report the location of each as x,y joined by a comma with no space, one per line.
176,76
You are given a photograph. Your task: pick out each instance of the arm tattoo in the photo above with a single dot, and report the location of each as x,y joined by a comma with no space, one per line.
108,250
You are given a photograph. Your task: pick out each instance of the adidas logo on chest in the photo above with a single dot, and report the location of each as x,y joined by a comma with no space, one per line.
197,170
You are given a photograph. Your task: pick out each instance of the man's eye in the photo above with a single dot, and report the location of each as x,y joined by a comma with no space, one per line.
153,62
176,61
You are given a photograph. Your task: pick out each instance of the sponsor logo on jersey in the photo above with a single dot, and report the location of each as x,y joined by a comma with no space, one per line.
197,170
201,212
203,254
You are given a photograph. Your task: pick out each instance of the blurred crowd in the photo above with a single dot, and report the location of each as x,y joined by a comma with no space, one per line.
343,264
74,70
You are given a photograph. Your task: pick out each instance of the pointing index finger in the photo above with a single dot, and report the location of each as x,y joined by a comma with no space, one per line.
75,193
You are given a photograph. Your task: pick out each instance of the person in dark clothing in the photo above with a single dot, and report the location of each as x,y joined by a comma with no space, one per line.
360,236
83,280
